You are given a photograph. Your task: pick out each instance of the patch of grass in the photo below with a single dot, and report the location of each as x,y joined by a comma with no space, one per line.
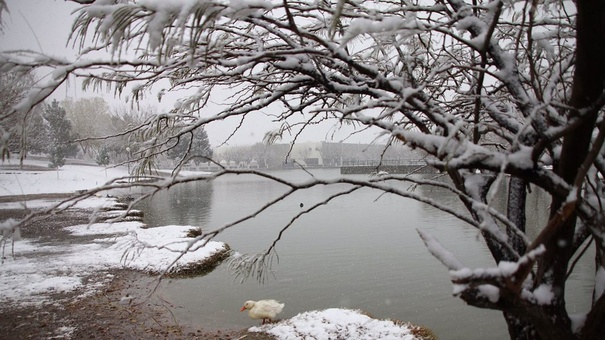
194,232
419,332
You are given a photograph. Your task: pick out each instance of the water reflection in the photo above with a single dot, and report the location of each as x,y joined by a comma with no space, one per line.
184,204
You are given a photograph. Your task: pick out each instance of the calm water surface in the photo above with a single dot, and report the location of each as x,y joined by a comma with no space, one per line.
360,251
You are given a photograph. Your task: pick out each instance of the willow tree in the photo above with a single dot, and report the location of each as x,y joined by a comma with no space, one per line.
491,91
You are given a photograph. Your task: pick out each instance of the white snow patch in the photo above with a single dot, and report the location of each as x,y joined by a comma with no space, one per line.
508,268
335,323
7,226
544,294
69,178
491,292
36,271
542,39
522,158
92,202
246,8
57,283
153,249
470,21
577,321
64,332
366,26
445,256
458,289
31,271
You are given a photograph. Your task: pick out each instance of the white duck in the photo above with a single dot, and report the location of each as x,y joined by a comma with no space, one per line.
263,309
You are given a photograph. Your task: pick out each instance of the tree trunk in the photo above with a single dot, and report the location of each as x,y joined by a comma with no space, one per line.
517,196
519,328
589,78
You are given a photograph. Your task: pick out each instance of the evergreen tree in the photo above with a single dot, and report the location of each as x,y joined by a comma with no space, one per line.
200,148
22,131
103,157
56,157
60,135
38,137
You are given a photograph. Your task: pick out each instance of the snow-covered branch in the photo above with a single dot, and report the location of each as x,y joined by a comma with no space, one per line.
489,92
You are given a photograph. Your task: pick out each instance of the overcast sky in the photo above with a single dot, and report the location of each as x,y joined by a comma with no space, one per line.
44,25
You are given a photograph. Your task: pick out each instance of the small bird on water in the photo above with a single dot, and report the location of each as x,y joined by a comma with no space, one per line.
263,309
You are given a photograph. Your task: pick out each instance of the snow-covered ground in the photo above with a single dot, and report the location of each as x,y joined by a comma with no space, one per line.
36,271
29,278
32,271
69,178
336,323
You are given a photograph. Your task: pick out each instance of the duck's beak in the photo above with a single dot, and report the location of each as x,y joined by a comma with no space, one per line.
243,309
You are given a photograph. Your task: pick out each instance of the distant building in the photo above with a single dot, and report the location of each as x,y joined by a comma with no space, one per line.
308,154
312,154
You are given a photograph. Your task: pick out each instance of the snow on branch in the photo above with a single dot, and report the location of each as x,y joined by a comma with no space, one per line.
436,249
480,88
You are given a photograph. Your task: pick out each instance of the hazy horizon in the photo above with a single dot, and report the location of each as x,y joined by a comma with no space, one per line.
44,26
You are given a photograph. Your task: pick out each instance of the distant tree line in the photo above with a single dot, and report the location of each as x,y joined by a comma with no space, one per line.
85,128
89,128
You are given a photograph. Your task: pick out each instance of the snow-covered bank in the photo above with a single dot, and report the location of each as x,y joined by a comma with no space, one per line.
69,178
40,269
337,323
150,250
36,271
33,270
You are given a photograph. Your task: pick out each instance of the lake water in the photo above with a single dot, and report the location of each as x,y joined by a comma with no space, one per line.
361,251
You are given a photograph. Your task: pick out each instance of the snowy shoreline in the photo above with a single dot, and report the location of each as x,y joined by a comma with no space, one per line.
39,269
63,254
34,269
